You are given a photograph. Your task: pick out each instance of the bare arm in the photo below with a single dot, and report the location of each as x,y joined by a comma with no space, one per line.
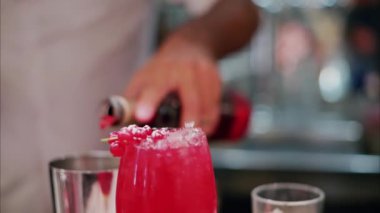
225,28
186,63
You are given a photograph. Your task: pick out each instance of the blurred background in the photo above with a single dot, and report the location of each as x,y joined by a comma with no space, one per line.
312,76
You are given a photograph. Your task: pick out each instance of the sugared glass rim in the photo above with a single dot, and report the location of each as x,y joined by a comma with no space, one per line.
293,186
168,143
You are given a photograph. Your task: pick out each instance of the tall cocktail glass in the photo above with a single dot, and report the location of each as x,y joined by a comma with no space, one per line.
170,175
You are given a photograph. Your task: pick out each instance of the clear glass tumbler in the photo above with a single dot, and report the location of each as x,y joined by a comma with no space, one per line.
287,198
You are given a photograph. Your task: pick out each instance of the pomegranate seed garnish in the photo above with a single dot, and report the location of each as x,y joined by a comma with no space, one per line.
125,137
117,149
157,135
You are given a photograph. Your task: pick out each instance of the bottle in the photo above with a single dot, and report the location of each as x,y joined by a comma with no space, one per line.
233,122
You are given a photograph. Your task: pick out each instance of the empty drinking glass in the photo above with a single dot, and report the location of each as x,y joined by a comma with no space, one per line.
287,198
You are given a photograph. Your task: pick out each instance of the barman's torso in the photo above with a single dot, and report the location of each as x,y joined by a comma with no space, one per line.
59,60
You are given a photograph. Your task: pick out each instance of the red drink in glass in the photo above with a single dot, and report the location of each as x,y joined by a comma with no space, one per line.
173,174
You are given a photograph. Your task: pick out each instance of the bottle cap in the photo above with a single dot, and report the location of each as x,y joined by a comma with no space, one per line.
120,108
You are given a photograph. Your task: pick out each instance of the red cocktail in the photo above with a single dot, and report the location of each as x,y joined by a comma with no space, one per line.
164,171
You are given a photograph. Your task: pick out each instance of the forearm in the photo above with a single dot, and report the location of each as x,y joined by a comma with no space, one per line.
225,28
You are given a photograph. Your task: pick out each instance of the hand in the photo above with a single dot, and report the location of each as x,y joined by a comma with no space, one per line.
187,68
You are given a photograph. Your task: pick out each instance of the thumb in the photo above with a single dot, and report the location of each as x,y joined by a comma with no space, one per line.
148,102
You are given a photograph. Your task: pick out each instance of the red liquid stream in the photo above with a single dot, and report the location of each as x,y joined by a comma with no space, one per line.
106,121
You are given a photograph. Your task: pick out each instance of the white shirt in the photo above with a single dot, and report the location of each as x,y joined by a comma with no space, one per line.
59,60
